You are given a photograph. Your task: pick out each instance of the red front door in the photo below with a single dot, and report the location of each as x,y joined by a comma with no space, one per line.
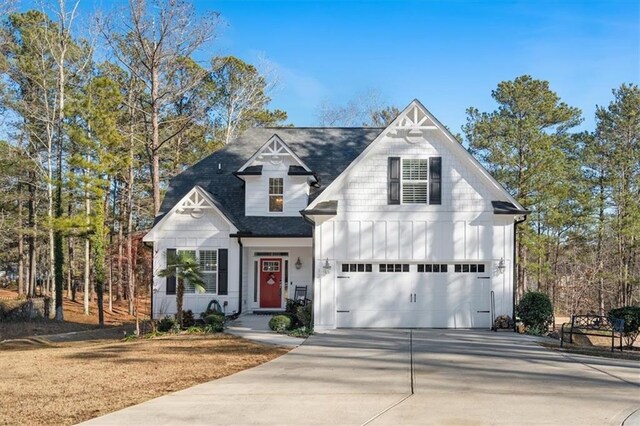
270,283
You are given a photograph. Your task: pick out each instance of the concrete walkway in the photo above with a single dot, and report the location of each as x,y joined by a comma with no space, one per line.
256,327
359,377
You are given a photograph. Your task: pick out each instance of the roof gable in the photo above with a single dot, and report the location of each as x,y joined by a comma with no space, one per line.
413,124
195,203
273,151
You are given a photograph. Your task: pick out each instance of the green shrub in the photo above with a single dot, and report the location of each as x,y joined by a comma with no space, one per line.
303,313
280,323
166,324
301,332
214,323
631,317
188,320
535,311
293,305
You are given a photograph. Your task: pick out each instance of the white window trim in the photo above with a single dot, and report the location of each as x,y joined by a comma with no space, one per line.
427,181
269,195
198,250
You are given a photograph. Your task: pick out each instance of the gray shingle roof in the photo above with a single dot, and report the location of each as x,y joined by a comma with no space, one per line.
327,151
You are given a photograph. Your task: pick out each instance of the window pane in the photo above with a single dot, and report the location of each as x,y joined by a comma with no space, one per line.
481,268
210,282
458,267
414,169
465,267
368,267
383,268
414,193
361,267
474,268
275,203
276,186
420,268
436,268
405,267
208,260
352,267
345,267
443,268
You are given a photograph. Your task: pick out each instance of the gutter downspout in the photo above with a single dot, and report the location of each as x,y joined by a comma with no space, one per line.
240,275
516,222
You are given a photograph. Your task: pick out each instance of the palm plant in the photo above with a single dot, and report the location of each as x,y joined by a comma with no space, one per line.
184,267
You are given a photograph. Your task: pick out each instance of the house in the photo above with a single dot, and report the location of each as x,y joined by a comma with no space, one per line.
384,227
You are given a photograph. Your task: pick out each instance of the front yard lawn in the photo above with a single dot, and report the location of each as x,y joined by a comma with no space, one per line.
71,382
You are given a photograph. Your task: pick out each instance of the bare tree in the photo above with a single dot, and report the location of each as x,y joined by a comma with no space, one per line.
149,40
365,108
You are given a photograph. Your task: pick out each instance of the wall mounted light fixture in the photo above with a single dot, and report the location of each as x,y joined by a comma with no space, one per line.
298,263
501,265
327,266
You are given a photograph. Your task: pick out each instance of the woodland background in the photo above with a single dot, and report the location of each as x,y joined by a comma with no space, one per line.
94,123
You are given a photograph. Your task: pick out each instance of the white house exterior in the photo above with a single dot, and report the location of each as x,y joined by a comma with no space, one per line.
385,227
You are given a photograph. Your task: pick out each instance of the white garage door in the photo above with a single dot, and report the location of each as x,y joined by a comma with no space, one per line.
430,295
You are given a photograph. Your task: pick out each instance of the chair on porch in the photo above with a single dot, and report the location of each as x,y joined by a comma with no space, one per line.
300,294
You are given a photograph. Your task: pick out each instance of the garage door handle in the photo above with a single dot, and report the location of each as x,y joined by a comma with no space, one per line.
484,278
483,312
343,312
342,276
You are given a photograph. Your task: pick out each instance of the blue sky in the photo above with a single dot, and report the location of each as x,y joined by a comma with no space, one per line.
449,55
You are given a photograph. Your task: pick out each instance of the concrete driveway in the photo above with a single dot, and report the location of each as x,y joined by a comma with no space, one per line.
365,377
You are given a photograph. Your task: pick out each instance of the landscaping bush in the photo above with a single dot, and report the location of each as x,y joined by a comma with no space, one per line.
188,320
292,306
303,314
536,312
631,317
301,332
214,323
166,324
280,323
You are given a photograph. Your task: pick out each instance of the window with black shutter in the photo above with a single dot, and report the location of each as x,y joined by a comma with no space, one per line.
435,180
171,281
223,276
394,180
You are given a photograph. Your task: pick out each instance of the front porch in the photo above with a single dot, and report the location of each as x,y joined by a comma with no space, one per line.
274,269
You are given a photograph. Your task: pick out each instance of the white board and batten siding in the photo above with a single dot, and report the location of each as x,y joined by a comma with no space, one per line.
183,231
463,228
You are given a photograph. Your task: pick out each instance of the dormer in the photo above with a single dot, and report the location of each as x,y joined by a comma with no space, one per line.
276,180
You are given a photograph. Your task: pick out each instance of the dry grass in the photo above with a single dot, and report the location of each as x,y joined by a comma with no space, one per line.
72,382
75,319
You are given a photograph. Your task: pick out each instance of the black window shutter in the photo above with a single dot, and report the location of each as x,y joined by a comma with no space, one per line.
171,281
435,180
223,275
394,180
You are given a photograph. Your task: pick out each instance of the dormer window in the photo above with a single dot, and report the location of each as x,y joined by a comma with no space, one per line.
276,191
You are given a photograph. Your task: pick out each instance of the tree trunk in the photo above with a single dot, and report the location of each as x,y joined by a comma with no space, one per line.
179,299
21,286
87,250
155,139
121,272
31,240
